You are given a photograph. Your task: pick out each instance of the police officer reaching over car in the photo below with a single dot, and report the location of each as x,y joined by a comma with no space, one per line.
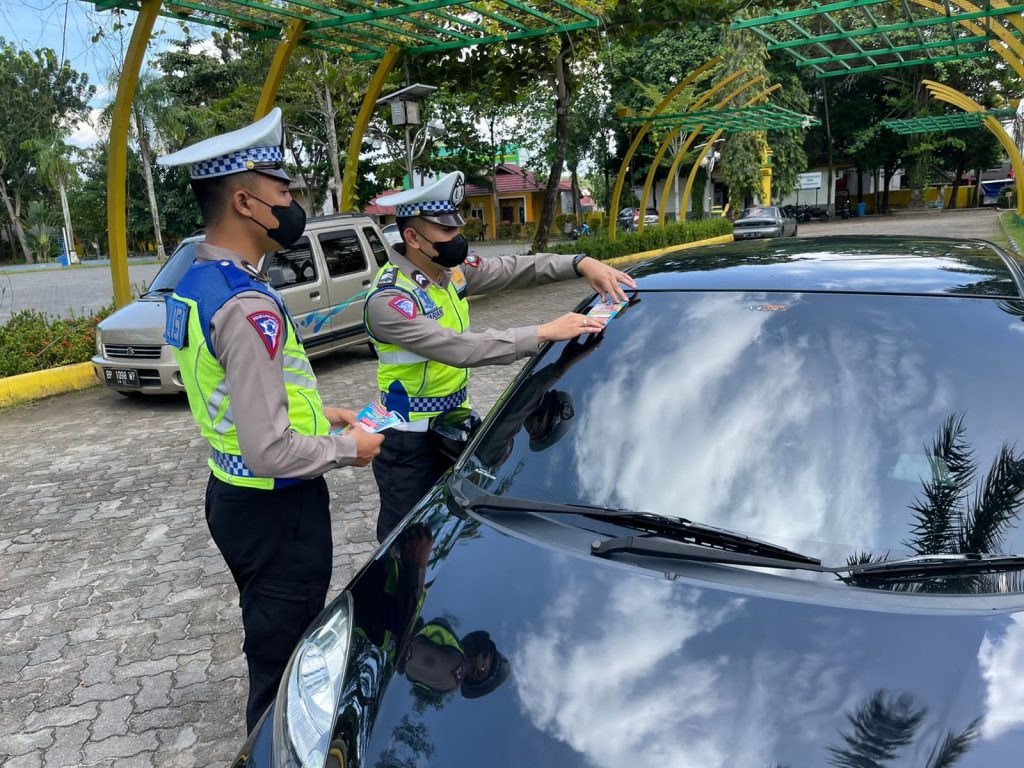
254,395
418,318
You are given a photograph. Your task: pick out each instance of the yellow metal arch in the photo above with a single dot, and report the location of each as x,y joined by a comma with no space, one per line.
283,54
700,102
355,141
621,177
684,201
117,159
952,96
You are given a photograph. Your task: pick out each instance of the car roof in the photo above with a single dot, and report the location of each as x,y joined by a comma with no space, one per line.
857,264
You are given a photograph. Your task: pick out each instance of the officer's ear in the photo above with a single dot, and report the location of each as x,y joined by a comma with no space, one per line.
241,187
411,237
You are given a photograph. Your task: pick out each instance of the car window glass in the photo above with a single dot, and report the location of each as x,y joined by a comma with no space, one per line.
806,419
759,213
292,266
342,252
175,268
380,253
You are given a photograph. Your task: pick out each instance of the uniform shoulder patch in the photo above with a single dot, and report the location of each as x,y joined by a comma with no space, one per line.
388,277
473,259
404,306
268,324
176,324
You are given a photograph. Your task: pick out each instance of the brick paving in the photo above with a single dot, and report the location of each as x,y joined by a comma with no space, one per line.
119,621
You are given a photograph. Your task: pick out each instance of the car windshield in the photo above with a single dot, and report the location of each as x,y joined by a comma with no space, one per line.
174,268
758,213
837,425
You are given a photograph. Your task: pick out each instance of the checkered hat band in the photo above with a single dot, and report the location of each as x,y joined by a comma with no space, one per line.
235,162
427,208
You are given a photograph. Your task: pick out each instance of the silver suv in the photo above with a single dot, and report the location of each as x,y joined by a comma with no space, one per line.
322,278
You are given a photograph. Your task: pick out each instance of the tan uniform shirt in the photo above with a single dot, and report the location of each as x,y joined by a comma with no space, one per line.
255,381
469,349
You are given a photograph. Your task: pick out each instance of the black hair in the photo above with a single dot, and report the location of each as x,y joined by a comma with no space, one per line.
213,193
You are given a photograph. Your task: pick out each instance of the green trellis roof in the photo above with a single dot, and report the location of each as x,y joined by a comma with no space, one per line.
855,36
953,122
767,117
364,29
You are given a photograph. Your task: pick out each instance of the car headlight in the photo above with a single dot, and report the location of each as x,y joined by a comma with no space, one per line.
307,701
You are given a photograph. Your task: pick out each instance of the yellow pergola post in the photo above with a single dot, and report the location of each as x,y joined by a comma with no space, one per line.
696,132
961,100
117,158
692,176
355,141
623,169
766,171
283,54
700,102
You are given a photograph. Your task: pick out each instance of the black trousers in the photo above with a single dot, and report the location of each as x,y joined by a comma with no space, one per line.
278,546
406,468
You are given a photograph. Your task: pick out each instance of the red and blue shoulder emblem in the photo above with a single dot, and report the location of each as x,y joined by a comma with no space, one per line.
473,259
404,306
268,324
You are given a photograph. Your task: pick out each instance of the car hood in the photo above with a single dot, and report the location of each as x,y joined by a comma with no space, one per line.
140,322
611,664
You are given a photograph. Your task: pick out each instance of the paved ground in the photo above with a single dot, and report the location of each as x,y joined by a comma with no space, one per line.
119,622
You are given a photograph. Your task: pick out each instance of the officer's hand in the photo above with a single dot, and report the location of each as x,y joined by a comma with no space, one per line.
339,417
367,446
605,280
568,327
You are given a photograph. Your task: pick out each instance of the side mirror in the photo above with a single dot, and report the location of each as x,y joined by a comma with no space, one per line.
452,430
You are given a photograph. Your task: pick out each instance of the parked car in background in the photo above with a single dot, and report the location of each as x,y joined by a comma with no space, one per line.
322,279
629,218
763,221
391,234
768,517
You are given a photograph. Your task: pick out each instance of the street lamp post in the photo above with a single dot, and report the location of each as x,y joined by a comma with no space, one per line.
405,114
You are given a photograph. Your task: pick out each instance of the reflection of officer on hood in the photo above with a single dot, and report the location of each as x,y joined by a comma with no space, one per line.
545,413
438,662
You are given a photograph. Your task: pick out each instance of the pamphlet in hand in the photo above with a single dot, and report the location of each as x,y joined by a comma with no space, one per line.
606,310
373,418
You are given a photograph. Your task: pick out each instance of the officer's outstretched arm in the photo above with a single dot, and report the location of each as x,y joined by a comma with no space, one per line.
393,318
486,274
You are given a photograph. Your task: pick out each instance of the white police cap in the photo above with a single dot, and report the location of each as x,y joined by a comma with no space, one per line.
257,147
438,202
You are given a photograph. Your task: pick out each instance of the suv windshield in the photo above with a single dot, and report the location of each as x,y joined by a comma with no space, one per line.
174,269
837,425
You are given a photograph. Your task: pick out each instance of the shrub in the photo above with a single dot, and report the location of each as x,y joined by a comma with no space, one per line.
32,341
472,228
506,230
600,247
564,222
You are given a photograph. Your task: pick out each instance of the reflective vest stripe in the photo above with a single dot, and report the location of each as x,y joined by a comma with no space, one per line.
400,357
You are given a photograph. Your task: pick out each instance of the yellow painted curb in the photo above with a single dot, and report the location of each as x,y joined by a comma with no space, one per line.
54,381
620,260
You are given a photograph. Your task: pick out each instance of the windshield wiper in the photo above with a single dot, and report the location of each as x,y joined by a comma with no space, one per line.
930,566
699,541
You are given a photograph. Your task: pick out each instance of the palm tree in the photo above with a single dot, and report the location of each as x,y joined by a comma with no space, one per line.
882,725
53,165
40,229
158,122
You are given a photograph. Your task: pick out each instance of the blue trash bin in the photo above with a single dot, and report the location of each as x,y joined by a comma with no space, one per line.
862,208
63,260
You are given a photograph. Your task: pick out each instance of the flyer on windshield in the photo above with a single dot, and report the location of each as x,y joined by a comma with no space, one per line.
606,310
373,418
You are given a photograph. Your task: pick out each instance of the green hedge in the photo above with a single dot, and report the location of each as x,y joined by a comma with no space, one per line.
627,243
32,341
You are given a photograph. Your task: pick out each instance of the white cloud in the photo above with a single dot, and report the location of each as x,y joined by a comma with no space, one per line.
1002,667
88,131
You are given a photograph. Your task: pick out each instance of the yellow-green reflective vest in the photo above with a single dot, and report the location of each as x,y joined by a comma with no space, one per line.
411,385
201,292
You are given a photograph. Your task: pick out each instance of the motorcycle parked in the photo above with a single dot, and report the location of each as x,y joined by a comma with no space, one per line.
577,232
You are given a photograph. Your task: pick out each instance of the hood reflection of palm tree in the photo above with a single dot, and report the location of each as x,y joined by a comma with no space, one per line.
883,725
950,520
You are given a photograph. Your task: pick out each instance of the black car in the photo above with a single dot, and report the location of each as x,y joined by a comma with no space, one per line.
769,517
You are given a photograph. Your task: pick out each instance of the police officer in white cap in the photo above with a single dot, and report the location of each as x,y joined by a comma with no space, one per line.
418,318
253,393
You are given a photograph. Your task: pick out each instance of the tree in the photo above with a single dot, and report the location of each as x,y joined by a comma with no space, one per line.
881,726
42,98
53,164
966,151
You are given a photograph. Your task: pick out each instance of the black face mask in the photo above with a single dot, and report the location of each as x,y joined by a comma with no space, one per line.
291,222
450,253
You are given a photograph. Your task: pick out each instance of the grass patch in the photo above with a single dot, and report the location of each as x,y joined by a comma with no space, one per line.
1013,232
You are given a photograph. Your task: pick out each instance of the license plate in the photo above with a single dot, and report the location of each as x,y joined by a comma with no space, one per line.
121,377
